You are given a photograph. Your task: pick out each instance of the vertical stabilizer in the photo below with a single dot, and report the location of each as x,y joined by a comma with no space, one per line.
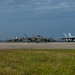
69,34
65,35
16,37
26,36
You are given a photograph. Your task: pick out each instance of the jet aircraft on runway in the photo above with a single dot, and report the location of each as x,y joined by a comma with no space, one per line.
68,38
38,39
15,39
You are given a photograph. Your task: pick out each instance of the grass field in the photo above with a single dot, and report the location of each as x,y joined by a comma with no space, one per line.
37,62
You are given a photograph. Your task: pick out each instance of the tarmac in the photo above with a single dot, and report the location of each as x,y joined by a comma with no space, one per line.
50,45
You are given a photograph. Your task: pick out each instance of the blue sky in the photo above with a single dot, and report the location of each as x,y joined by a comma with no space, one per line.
49,18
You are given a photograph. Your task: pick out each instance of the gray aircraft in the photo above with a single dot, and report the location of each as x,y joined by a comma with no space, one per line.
68,38
15,39
37,39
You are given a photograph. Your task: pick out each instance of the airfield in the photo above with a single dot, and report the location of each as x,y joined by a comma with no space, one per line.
50,45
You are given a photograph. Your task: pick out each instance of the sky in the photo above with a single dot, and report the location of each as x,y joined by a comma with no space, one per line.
49,18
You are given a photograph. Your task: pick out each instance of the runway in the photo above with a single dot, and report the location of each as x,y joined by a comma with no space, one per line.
51,45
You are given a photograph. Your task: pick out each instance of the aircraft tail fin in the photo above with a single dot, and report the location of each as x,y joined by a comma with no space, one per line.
65,35
16,37
26,36
69,34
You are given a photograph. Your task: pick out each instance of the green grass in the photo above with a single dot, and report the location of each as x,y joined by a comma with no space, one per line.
37,62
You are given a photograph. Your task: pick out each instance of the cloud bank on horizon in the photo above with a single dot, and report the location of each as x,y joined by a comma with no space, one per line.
36,5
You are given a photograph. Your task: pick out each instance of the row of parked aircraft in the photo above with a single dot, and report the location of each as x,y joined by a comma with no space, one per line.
37,39
68,38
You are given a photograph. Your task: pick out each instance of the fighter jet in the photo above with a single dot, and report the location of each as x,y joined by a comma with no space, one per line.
15,39
37,39
68,38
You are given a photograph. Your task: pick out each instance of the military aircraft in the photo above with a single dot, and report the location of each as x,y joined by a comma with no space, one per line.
37,39
68,38
15,39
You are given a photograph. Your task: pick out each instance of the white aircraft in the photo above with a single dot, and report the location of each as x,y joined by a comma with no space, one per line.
68,38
